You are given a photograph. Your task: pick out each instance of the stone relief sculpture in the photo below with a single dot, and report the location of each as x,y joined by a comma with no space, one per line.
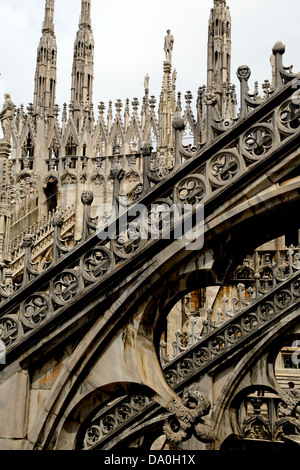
7,116
168,47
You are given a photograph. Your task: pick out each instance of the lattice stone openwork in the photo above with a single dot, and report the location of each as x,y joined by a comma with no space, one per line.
9,329
289,116
224,166
35,310
191,190
160,217
118,415
96,263
128,240
65,287
258,141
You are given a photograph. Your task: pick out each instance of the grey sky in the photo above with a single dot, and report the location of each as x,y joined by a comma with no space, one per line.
129,38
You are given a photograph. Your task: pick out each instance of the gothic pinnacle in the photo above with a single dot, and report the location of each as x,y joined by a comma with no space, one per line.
48,25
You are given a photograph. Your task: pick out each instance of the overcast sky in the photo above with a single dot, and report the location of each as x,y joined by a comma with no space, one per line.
129,38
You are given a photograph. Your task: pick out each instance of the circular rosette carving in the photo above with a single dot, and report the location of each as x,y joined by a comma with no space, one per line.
35,310
218,345
108,424
129,240
266,311
92,436
283,299
185,368
175,431
160,218
9,330
171,377
138,402
201,357
249,322
191,190
296,288
224,166
258,142
289,116
96,263
233,333
65,287
124,412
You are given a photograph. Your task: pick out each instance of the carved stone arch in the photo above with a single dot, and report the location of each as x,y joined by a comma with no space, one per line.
54,132
134,131
244,273
24,175
50,187
150,126
99,133
70,131
98,179
28,130
189,121
28,144
117,133
50,178
54,140
68,178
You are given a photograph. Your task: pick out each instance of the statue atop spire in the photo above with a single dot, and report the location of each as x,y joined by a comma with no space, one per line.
168,47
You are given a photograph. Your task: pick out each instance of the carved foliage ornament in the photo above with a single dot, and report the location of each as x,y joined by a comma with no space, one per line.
187,418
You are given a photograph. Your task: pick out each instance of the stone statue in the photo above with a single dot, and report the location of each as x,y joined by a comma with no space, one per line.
146,82
7,116
168,48
174,77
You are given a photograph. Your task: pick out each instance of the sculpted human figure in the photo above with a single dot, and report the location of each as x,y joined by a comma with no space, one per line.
169,43
146,82
7,116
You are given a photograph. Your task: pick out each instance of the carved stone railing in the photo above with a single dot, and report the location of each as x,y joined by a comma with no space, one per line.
254,313
211,175
42,239
215,318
